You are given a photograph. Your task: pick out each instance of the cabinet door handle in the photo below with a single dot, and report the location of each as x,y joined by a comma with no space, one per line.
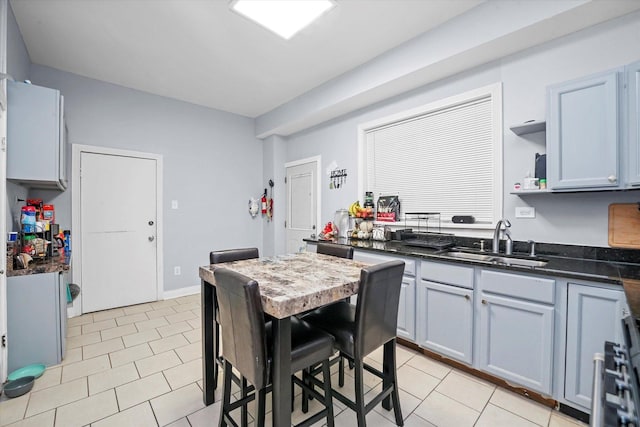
484,301
612,178
151,238
467,297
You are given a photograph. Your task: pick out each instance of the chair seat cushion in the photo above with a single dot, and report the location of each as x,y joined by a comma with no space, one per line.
338,320
309,345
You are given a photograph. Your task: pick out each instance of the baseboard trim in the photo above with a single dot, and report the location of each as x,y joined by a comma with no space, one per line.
181,292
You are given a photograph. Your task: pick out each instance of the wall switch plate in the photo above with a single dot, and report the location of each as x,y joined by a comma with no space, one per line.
176,271
174,204
525,212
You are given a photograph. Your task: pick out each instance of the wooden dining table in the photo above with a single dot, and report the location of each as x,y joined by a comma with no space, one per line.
289,284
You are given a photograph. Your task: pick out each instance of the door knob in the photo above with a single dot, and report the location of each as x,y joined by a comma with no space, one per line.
467,297
612,178
151,238
484,301
151,222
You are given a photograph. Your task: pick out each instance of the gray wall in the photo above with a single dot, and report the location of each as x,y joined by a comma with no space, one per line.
562,218
212,164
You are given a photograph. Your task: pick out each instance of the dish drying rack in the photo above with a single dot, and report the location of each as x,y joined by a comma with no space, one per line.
432,239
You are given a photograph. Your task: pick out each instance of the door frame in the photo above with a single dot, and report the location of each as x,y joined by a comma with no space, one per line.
4,5
318,162
76,214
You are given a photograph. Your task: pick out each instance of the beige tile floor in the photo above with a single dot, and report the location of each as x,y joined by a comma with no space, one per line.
141,366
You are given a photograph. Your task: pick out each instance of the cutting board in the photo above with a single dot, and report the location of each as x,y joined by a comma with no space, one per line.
624,225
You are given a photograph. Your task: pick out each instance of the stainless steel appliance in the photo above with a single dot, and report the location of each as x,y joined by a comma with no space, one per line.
616,385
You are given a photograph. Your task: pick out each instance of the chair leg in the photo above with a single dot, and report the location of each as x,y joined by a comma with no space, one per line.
328,400
216,352
359,380
305,396
341,371
244,420
391,377
226,394
261,407
293,394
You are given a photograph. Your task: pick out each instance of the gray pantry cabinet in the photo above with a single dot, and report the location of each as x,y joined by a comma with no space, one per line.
633,123
36,319
517,328
407,304
593,316
445,310
584,133
36,136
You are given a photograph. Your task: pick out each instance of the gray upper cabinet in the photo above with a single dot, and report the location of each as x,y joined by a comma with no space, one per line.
583,133
35,136
593,316
633,123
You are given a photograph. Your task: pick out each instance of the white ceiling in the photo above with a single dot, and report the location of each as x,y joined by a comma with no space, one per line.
200,52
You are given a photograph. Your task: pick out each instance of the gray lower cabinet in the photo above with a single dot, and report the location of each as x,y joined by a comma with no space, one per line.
407,304
36,319
445,309
445,319
593,316
517,328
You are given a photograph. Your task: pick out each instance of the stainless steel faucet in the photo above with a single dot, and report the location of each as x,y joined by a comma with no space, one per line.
496,234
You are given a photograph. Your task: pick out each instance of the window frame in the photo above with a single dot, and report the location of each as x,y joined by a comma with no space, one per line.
492,90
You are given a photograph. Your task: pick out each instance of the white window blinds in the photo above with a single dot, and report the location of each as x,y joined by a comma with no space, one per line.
443,160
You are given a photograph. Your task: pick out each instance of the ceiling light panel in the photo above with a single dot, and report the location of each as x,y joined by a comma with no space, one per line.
283,17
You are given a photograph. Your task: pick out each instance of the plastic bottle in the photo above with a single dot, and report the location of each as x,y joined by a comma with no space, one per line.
28,219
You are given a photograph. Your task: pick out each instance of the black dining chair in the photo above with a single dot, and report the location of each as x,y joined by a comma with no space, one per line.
247,347
339,251
362,328
217,257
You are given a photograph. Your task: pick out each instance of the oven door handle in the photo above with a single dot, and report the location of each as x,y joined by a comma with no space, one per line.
597,395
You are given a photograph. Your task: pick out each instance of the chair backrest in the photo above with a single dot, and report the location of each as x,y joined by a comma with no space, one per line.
377,307
242,324
335,250
216,257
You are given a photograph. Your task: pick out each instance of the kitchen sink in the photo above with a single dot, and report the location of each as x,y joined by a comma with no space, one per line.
494,258
469,256
520,261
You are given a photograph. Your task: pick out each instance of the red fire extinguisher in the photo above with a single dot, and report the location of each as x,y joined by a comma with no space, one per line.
263,202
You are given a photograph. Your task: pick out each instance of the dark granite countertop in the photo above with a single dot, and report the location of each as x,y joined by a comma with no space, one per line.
51,265
605,265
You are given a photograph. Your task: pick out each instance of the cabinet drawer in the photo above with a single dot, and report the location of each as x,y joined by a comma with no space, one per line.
525,287
372,258
447,273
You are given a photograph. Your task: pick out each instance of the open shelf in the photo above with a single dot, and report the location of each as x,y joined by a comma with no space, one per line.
528,192
531,126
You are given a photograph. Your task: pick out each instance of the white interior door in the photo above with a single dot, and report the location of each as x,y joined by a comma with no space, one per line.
302,203
118,230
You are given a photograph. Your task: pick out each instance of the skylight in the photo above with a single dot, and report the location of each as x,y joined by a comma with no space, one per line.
283,17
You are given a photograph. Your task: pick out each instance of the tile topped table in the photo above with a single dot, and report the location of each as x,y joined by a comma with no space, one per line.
289,285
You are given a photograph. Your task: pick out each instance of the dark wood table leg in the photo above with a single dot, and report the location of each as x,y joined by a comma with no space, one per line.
282,372
209,366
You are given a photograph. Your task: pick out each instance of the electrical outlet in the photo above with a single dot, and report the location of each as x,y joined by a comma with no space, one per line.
176,271
174,204
525,212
